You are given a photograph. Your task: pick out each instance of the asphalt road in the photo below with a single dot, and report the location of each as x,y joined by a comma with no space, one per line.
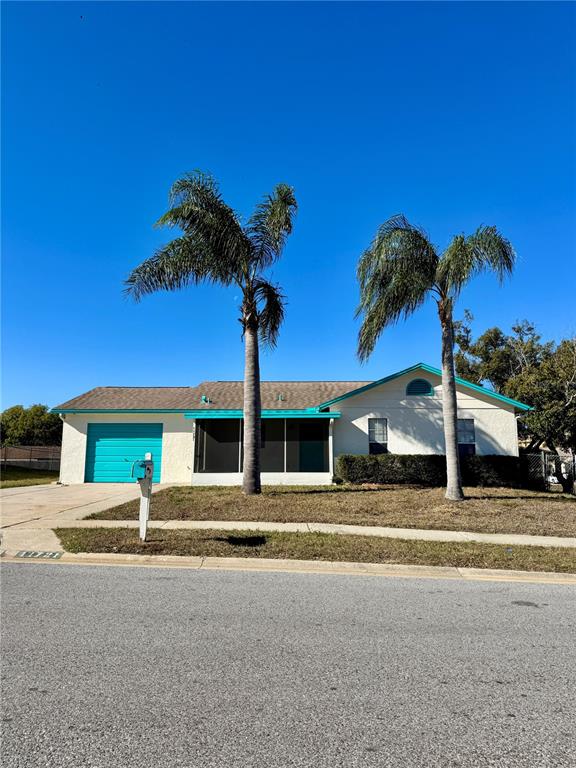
110,666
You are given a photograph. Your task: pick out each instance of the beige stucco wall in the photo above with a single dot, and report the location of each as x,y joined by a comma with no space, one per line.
177,444
415,423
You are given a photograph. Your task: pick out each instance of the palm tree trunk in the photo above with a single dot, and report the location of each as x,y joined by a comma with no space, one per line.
252,408
449,404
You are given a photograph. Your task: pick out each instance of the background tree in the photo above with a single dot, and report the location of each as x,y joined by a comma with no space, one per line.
399,271
216,247
496,357
521,366
30,426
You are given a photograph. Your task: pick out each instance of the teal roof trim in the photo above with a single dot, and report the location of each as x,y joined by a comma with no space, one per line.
429,369
267,414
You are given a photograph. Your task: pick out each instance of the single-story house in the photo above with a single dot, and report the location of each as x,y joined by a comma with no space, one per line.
195,433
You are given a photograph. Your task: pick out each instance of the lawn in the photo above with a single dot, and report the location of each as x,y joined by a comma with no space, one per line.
12,477
486,510
317,546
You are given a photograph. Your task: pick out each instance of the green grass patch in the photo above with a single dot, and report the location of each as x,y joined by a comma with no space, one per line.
486,510
317,546
12,477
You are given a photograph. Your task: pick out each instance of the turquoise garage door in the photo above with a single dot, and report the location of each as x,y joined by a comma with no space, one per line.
111,449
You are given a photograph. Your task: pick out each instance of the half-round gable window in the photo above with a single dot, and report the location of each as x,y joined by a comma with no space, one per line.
419,387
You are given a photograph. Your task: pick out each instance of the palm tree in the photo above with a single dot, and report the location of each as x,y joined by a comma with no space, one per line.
399,271
216,247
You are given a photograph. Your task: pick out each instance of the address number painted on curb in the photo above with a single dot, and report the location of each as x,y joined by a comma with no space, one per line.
38,555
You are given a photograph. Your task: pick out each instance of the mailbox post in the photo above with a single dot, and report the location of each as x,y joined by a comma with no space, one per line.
142,470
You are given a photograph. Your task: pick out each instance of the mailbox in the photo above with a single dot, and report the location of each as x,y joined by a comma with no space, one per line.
142,469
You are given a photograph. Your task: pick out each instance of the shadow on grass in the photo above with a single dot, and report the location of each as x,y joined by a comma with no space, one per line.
242,541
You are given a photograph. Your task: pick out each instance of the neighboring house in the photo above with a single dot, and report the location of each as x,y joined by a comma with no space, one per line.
195,433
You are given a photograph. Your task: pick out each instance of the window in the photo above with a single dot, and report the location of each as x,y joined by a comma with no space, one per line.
466,437
420,387
377,436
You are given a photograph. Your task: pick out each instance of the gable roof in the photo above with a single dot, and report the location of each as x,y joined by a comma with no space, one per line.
229,395
437,372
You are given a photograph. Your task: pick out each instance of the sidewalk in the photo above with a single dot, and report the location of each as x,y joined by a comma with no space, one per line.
38,534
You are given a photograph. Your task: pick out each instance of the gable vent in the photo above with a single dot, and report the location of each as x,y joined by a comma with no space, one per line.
419,387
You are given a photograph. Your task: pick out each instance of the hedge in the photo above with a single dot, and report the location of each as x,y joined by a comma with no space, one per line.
427,469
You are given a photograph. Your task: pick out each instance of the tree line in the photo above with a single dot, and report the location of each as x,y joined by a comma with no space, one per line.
522,366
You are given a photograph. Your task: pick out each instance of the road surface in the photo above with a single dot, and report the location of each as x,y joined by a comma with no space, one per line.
138,666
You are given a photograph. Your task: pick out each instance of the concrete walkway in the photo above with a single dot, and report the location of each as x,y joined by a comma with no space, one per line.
507,539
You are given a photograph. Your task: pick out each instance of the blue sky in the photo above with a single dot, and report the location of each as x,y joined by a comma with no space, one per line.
454,114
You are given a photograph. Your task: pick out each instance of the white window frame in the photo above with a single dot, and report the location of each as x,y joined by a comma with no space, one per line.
466,433
371,433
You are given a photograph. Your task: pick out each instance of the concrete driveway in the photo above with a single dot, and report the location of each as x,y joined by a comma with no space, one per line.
28,513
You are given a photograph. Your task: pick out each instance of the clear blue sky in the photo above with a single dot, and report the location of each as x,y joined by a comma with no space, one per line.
454,114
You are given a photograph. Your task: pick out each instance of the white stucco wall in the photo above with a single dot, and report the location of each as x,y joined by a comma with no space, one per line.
177,443
415,424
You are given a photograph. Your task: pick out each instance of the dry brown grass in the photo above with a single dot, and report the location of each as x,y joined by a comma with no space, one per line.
486,510
317,546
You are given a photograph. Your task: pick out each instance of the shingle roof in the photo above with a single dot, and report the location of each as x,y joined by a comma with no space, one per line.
228,395
221,394
126,398
295,394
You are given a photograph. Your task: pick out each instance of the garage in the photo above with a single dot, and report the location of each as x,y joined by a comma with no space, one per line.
111,449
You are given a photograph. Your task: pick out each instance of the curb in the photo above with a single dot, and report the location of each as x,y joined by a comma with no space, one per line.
266,565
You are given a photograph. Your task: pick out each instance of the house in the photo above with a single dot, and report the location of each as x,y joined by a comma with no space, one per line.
195,433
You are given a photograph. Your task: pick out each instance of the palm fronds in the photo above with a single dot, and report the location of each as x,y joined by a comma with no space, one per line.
271,223
484,250
270,303
395,274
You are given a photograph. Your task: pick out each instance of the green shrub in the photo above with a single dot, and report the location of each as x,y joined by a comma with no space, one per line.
427,469
491,471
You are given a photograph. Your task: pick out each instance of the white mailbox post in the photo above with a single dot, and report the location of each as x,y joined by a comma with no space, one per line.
143,471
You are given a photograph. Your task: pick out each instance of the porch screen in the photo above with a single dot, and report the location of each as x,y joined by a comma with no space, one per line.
288,445
306,445
218,445
272,445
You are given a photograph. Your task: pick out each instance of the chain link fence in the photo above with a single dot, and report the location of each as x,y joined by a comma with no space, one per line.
549,471
44,457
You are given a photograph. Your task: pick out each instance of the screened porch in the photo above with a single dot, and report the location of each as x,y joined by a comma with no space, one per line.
287,445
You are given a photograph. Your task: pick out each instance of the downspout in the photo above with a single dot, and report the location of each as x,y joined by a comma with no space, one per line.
62,416
331,447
